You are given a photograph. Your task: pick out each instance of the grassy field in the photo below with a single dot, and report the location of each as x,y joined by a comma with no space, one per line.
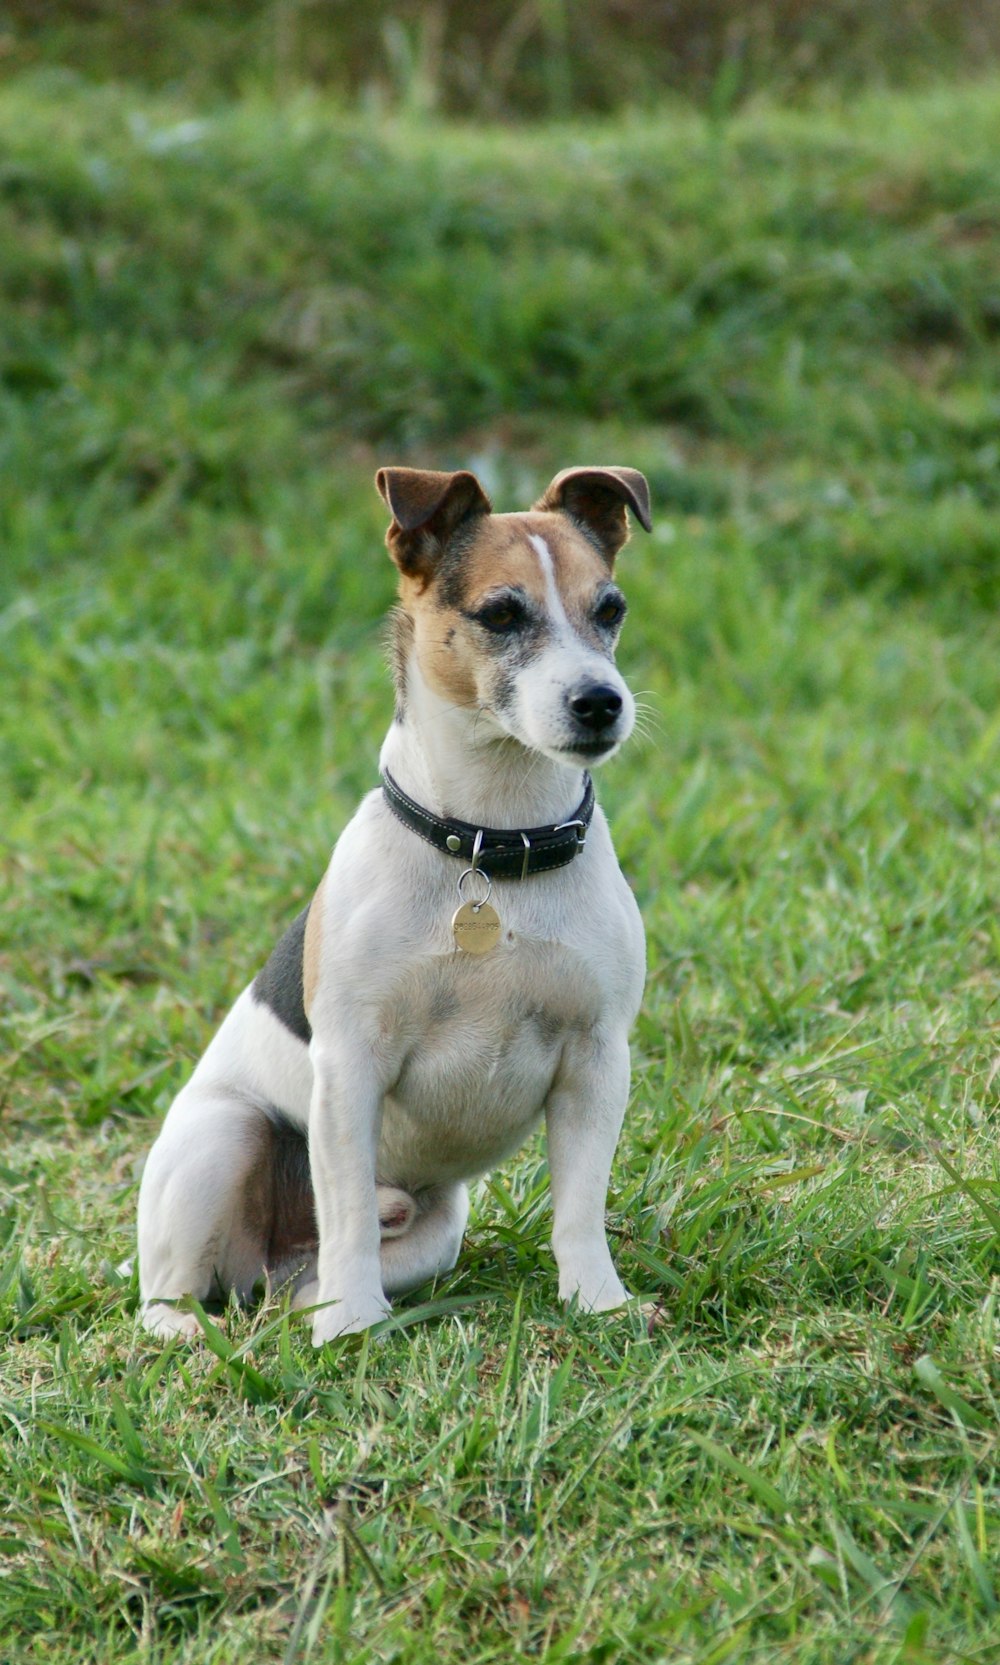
505,58
216,322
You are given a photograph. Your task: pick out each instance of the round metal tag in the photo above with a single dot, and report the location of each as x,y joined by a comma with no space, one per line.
476,927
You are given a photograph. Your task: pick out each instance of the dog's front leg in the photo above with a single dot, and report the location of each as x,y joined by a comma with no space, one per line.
345,1116
583,1119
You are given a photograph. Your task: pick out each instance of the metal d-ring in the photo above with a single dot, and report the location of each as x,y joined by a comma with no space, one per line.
477,873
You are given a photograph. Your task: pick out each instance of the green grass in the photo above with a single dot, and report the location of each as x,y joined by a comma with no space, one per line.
211,335
501,58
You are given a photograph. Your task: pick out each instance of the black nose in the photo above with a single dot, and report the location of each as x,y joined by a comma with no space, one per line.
596,706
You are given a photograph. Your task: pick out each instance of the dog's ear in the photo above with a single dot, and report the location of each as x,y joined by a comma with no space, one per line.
427,509
597,498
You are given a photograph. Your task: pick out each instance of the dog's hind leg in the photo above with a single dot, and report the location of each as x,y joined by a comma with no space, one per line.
206,1206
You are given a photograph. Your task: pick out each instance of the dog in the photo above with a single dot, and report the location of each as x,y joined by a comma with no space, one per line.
472,960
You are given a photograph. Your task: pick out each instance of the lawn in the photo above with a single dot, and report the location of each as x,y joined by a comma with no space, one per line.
216,319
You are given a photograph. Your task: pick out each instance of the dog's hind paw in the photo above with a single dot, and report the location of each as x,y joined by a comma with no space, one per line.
165,1321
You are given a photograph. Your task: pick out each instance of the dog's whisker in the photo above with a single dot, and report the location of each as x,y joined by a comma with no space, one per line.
648,719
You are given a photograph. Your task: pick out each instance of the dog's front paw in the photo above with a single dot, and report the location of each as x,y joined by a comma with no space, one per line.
597,1289
606,1299
347,1317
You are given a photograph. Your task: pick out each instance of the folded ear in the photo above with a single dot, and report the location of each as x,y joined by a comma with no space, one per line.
427,508
597,498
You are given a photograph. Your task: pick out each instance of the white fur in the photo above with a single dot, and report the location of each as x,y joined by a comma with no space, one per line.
556,610
427,1065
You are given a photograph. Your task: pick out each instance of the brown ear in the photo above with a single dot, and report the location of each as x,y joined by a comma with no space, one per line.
597,498
427,508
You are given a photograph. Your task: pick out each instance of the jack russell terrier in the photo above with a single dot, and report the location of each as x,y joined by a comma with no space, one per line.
472,959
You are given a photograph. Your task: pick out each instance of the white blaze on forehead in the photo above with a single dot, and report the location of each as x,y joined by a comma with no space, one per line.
552,597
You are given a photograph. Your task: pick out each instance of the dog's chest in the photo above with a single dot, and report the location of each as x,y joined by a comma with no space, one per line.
480,1042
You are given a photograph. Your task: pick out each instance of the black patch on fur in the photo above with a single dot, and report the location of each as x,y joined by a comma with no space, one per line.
293,1218
589,532
502,691
549,1026
279,985
511,654
452,570
444,1005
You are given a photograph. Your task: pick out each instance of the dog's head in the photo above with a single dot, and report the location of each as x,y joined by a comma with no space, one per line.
517,616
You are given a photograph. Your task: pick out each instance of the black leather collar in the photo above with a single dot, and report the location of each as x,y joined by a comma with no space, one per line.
502,853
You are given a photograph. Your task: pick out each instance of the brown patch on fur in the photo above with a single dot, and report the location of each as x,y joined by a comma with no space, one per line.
502,555
579,570
311,948
443,653
431,621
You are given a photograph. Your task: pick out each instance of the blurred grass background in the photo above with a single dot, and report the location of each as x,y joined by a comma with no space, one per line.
509,58
247,254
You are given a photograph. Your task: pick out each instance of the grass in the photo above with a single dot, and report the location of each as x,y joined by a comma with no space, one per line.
499,59
215,325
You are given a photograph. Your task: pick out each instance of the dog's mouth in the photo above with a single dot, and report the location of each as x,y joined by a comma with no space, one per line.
591,750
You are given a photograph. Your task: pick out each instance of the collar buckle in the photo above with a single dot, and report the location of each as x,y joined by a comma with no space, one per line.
581,831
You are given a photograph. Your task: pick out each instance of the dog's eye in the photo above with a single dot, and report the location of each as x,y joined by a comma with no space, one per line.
501,616
611,611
